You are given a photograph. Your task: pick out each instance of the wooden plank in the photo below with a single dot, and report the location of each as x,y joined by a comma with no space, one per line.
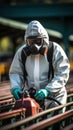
4,83
69,89
6,101
69,127
10,114
6,97
5,92
27,120
47,122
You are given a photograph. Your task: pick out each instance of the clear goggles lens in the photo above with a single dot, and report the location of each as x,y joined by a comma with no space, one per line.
37,41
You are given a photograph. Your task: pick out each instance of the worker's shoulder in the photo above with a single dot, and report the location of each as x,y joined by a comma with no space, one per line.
57,46
21,48
19,51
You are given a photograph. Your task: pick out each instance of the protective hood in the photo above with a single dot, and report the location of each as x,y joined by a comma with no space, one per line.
36,29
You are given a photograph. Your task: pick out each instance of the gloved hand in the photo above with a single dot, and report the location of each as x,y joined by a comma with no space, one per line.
41,94
17,93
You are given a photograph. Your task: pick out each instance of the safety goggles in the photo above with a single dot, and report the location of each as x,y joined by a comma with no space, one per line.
37,41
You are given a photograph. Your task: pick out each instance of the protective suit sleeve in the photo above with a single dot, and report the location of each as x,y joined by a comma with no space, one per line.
16,72
61,69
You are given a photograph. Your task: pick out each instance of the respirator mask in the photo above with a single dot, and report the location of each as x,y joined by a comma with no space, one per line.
36,45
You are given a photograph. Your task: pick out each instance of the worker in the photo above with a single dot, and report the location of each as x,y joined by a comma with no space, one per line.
35,70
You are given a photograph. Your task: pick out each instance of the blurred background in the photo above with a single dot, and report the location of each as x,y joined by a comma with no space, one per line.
55,15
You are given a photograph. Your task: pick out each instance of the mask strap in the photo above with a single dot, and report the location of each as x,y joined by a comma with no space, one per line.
46,50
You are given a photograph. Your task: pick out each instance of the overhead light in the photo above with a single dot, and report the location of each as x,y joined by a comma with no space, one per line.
23,26
71,37
54,33
13,23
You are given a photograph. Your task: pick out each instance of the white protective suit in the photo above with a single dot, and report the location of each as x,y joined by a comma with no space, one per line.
37,67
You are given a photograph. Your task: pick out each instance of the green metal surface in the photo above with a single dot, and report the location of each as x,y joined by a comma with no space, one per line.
37,10
58,17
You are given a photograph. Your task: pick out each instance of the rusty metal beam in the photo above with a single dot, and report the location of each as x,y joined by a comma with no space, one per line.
47,122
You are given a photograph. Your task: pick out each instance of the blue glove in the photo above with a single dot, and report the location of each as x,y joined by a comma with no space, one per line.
17,93
41,94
